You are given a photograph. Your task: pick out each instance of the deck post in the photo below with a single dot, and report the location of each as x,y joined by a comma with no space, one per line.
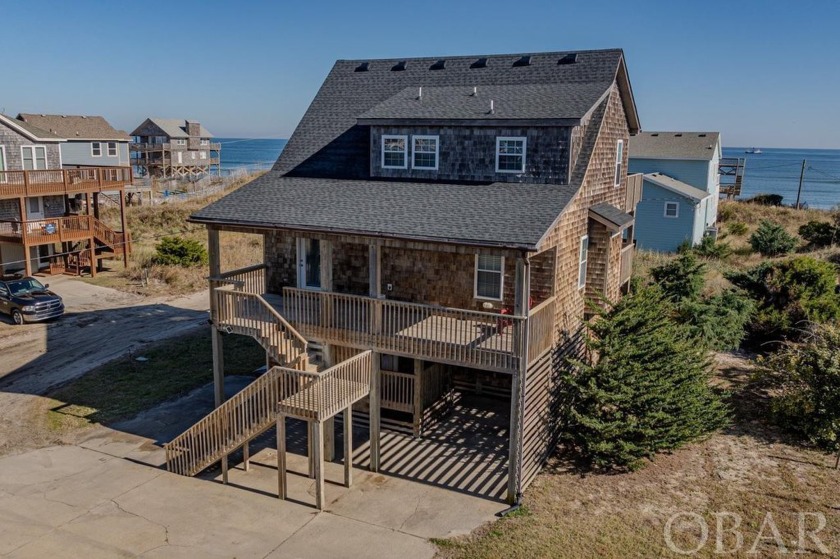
418,397
310,447
216,336
375,285
27,262
246,456
281,457
225,469
124,225
318,430
348,446
517,395
326,281
374,411
329,439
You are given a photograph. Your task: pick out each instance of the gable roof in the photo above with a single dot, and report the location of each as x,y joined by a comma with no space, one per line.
355,87
675,145
173,127
76,127
451,213
677,187
32,132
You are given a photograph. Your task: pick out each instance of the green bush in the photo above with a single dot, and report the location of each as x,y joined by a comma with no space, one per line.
771,239
737,228
681,278
711,248
178,251
720,321
726,212
807,378
648,390
767,199
819,234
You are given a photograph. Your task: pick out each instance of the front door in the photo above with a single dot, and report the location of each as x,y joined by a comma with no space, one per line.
309,263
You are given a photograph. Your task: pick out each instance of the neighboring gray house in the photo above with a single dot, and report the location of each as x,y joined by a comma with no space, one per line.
173,148
90,140
681,187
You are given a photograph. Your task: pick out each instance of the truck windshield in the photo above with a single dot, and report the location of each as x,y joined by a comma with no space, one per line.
25,286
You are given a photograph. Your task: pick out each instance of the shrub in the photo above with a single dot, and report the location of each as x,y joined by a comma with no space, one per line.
737,228
767,199
720,321
819,234
771,239
680,278
726,212
807,377
648,390
179,251
709,247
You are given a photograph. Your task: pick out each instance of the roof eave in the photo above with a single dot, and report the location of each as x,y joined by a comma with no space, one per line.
627,97
468,121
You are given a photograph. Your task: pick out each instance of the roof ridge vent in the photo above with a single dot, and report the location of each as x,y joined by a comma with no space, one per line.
363,67
568,59
399,66
524,61
439,65
480,63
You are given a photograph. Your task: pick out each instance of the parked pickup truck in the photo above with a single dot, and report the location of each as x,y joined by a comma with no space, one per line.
28,300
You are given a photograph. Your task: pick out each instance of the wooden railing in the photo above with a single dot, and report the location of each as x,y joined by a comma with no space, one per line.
634,191
541,328
249,314
249,280
319,396
62,181
457,336
626,267
397,390
61,229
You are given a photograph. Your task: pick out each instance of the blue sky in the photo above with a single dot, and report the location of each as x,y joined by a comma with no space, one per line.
764,73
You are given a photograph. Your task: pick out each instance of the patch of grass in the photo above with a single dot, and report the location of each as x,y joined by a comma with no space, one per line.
124,387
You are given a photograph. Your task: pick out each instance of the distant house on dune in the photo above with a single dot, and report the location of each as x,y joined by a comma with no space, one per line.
681,187
89,141
174,148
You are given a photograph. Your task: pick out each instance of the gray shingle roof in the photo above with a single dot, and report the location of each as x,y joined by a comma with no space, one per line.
676,186
30,130
499,214
613,216
675,145
346,94
75,127
176,128
518,101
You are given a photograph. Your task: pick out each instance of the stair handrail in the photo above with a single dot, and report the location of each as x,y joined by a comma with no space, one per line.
266,306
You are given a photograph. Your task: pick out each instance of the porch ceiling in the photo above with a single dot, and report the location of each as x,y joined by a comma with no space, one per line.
513,215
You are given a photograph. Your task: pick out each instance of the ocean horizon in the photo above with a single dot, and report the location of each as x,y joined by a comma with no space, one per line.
773,171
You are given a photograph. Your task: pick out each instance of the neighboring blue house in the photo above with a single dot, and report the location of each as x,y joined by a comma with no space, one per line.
89,140
681,187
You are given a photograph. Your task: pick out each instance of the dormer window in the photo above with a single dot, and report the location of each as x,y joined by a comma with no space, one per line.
424,154
394,152
510,155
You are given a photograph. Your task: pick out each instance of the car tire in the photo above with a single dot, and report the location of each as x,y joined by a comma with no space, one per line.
17,317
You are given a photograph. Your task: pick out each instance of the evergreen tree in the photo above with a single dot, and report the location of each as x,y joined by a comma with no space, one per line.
647,391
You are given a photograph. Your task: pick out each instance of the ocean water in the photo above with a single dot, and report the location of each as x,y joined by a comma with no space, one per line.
776,171
249,154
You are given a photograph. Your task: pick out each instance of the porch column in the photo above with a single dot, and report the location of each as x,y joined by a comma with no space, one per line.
348,446
318,431
216,336
375,291
281,457
27,263
517,393
418,397
375,284
374,411
124,224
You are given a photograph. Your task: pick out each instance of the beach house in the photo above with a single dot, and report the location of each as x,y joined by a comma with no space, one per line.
681,187
49,214
432,232
89,141
173,148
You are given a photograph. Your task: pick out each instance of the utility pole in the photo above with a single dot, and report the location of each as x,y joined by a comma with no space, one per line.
801,178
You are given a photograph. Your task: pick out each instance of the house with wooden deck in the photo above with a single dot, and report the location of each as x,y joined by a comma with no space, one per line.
89,140
432,231
681,187
174,148
49,215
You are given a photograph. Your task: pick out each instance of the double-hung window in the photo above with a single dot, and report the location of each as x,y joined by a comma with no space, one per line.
582,261
510,155
112,149
672,209
33,157
425,151
394,152
2,163
96,149
619,159
489,276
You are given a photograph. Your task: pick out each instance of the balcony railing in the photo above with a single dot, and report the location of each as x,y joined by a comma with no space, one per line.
48,231
15,184
168,146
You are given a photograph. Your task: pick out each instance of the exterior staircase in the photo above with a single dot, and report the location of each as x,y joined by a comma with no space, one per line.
109,243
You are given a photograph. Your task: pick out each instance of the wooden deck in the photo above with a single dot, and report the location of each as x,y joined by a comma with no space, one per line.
18,184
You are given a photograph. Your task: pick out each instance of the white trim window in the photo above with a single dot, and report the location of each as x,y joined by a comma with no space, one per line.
96,149
205,142
510,154
672,210
619,160
112,149
583,259
425,151
394,152
180,142
202,154
33,157
489,276
3,163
